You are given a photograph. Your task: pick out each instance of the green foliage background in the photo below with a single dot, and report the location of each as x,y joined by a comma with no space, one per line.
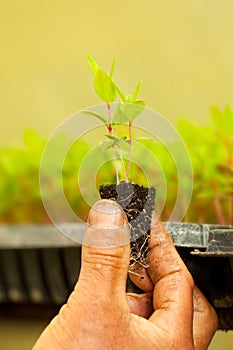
211,152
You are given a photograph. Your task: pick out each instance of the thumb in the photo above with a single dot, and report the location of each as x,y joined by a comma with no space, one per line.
105,251
100,290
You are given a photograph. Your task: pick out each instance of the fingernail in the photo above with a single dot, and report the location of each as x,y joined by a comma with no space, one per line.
106,214
107,225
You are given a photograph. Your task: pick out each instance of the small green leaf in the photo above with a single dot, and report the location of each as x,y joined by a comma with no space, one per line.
106,145
142,138
116,139
187,130
120,93
110,137
223,122
112,67
97,115
31,139
93,64
136,92
127,111
228,121
216,116
104,87
140,103
206,194
119,115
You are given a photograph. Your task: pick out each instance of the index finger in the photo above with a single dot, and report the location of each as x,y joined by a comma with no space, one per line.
173,292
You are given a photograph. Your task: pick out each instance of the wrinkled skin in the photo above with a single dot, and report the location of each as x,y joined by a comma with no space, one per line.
171,314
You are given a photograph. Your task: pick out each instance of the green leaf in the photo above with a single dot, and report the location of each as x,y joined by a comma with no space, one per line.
120,93
127,111
110,137
142,138
140,103
97,115
206,194
131,98
119,115
31,139
223,122
93,64
104,87
216,117
116,139
136,92
228,121
112,67
187,130
106,145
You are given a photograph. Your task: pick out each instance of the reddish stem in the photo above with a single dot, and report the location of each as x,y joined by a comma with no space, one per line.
130,146
109,127
218,211
217,204
122,160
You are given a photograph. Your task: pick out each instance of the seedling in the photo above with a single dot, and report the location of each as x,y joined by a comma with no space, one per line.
137,201
128,109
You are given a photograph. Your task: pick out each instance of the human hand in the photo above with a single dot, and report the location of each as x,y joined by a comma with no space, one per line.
172,314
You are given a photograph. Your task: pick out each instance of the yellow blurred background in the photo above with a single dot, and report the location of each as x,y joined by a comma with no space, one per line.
183,51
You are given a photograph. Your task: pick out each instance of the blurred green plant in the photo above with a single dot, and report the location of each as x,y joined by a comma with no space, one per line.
211,152
19,189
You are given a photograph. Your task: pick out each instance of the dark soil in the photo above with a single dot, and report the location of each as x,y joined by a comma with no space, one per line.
138,204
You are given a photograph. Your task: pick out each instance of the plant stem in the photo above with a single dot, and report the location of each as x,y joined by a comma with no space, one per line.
218,211
116,165
122,160
109,127
130,146
217,204
123,166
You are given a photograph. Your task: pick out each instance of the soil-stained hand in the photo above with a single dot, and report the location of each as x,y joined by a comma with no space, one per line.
172,314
